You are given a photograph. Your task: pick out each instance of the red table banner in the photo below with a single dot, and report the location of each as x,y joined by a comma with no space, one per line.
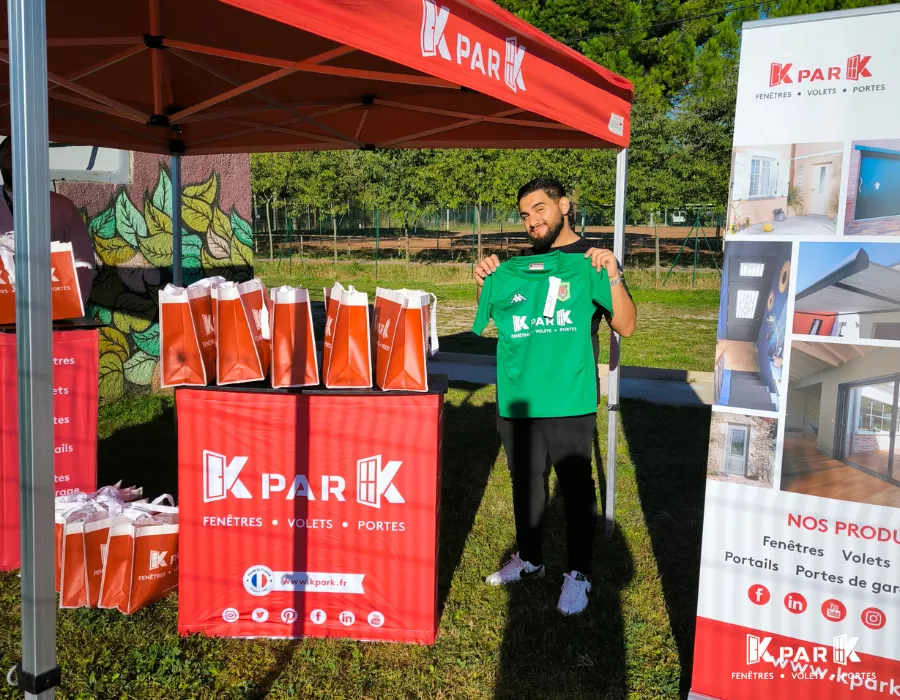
75,398
311,514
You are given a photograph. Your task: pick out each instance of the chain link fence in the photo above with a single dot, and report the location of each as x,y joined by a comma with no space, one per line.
687,237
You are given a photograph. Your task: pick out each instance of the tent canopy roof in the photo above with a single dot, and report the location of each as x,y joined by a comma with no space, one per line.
213,76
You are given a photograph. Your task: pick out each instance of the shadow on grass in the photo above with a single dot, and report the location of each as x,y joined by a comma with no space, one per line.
466,341
144,454
668,447
470,447
547,655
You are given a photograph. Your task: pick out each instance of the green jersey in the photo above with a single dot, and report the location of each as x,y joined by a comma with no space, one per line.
542,306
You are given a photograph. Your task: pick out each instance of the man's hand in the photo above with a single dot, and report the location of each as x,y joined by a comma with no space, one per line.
600,258
486,267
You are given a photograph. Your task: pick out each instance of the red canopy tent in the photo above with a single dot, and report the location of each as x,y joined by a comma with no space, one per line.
257,75
224,76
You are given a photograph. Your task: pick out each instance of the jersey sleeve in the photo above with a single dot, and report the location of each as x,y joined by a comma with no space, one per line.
485,306
600,290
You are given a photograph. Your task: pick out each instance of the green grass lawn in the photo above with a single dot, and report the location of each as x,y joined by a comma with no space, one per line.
676,326
634,641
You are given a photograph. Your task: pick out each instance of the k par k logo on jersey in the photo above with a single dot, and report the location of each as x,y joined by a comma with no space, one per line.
374,482
434,43
523,323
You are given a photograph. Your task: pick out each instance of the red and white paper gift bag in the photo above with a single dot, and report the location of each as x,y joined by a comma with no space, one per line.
401,322
294,360
65,292
347,356
242,332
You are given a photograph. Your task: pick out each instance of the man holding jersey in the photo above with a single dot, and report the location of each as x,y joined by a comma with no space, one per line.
547,305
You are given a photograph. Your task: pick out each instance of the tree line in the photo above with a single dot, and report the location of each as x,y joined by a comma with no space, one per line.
682,57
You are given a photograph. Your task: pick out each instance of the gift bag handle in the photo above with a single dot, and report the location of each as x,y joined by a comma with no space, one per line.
433,323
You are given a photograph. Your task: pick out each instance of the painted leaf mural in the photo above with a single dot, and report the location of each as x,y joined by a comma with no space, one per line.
129,222
133,242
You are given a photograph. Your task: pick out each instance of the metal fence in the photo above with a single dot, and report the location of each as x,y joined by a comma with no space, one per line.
690,236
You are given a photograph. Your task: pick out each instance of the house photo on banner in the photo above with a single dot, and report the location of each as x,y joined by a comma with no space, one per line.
848,290
791,189
126,200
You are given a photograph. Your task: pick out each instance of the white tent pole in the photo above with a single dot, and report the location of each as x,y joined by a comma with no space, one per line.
38,673
176,220
613,391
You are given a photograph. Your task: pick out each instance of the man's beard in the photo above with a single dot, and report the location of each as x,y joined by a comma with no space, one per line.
543,244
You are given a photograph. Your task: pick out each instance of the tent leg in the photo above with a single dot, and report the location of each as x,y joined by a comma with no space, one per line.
176,220
613,391
30,133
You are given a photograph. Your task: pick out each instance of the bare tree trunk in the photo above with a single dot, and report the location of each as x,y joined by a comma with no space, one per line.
478,231
406,231
334,223
269,227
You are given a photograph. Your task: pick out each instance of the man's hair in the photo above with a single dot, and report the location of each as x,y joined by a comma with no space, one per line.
552,188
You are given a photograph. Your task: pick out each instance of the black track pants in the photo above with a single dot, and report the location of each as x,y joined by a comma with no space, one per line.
531,445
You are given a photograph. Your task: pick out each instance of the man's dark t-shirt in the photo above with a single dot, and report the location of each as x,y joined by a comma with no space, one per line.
580,247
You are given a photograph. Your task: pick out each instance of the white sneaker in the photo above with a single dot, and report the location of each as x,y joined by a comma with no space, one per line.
573,598
514,570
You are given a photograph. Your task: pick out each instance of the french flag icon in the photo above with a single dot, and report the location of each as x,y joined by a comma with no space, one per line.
259,580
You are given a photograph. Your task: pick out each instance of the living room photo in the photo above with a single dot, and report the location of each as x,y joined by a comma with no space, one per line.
840,437
752,325
848,290
791,189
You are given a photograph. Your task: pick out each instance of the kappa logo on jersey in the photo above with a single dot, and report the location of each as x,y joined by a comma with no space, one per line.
374,481
221,476
433,42
517,299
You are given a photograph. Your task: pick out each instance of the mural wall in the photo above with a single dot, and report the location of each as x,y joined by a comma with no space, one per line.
131,226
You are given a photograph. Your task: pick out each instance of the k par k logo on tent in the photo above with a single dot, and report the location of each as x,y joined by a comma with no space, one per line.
434,43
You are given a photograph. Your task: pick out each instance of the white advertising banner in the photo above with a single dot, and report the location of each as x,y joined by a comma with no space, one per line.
800,570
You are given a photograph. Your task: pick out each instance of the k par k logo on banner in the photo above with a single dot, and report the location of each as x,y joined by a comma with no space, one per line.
784,73
434,43
374,481
842,652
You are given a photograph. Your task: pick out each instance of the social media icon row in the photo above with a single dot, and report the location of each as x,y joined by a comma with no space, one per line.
346,618
832,609
290,616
